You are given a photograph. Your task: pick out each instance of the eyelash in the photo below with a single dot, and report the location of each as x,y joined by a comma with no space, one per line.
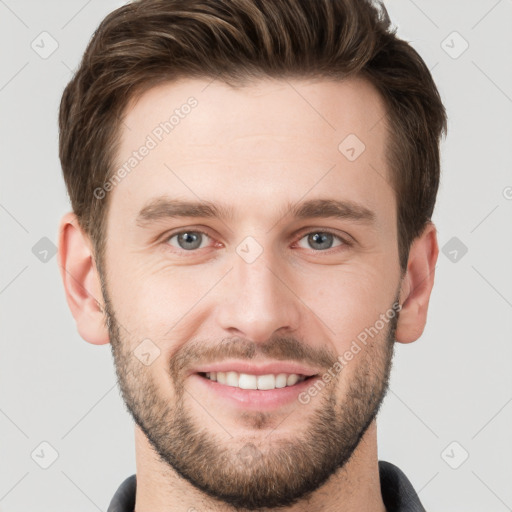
345,243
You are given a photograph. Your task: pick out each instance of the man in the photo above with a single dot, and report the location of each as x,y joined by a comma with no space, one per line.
252,185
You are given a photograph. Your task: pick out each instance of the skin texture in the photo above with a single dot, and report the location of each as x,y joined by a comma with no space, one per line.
254,149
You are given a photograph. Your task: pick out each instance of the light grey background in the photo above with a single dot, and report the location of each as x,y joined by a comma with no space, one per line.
452,385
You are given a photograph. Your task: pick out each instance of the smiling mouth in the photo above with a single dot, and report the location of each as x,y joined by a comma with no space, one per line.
250,381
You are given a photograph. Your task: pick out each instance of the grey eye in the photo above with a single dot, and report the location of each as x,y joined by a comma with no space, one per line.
188,240
320,240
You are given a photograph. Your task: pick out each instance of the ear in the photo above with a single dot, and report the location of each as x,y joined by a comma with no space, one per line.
81,281
417,285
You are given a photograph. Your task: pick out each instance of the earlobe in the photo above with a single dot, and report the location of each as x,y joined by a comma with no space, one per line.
417,286
81,281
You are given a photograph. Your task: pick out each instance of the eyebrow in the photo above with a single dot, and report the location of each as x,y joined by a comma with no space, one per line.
163,207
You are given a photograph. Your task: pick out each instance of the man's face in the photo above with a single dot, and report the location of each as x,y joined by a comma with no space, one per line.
254,298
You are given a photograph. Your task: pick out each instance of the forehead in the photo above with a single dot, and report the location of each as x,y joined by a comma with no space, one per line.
265,140
313,109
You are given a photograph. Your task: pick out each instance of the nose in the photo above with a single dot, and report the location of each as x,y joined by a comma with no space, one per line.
257,299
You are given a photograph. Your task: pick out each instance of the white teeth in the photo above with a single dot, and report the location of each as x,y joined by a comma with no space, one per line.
266,382
292,379
248,381
281,380
232,379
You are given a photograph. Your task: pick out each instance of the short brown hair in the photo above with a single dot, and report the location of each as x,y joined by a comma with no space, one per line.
148,42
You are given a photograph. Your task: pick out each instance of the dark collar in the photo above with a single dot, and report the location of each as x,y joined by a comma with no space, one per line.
397,491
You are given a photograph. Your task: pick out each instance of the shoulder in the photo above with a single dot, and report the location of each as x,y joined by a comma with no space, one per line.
124,497
397,491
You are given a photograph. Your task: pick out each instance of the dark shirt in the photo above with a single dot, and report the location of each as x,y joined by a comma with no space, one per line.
398,493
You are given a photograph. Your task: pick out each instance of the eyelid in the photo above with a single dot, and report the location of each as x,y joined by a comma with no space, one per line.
345,237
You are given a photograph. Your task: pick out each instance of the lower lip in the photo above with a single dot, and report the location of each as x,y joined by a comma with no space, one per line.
255,399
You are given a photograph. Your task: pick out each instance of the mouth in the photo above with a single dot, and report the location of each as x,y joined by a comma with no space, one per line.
252,385
264,382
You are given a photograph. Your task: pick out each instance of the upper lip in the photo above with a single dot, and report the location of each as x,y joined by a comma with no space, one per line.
274,367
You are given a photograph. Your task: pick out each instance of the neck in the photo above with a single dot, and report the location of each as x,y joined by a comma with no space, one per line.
354,487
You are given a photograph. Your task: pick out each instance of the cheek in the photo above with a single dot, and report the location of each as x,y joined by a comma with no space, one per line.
158,302
348,301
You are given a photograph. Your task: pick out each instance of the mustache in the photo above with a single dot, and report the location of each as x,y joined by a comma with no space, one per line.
279,348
